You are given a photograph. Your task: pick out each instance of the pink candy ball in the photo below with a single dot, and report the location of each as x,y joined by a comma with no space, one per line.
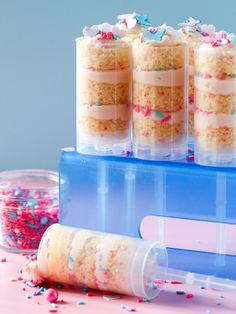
51,295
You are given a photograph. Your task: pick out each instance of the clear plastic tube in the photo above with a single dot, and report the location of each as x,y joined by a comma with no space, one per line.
103,90
159,101
215,95
101,261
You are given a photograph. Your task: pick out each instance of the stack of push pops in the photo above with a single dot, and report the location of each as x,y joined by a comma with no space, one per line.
132,92
136,91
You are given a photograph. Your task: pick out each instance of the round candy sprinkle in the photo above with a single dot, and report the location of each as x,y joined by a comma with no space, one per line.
51,295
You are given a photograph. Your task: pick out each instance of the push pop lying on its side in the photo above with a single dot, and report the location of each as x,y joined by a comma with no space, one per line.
109,262
96,260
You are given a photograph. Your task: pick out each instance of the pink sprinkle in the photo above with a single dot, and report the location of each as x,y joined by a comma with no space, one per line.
90,294
207,76
189,296
137,108
19,278
140,300
53,310
222,78
191,158
3,260
176,283
146,111
166,119
132,309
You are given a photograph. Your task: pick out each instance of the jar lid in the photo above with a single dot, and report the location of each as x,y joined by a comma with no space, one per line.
28,184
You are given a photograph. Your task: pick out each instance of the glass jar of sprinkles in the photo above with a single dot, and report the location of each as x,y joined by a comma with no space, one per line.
28,206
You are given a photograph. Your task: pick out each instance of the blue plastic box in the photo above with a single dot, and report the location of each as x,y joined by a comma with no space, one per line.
189,208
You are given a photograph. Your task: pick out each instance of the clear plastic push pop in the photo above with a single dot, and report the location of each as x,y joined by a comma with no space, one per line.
193,32
215,94
100,261
159,95
103,91
109,262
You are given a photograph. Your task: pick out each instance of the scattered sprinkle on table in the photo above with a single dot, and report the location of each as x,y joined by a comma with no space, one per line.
189,296
80,302
3,260
53,305
28,296
90,294
180,292
111,297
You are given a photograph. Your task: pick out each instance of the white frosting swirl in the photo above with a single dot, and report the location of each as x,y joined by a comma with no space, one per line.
95,30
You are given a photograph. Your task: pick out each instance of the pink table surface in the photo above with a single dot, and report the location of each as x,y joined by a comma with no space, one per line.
13,298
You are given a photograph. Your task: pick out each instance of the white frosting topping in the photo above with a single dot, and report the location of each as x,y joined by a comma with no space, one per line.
112,31
193,29
161,34
132,20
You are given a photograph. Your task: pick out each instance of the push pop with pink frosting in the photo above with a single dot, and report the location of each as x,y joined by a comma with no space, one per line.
133,23
159,94
97,260
103,90
193,32
215,93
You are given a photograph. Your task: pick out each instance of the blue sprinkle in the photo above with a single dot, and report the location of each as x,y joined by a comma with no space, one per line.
44,220
234,113
154,286
122,306
28,296
53,306
32,203
159,114
12,214
218,302
80,302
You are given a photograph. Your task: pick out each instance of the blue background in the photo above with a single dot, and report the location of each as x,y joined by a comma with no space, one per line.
37,66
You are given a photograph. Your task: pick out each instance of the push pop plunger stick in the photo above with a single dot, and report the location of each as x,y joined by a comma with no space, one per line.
109,262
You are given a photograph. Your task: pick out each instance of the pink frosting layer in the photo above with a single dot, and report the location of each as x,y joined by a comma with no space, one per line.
110,77
169,118
216,86
203,120
103,112
160,78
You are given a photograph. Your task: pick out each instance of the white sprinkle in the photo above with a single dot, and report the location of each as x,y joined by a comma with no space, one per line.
111,297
